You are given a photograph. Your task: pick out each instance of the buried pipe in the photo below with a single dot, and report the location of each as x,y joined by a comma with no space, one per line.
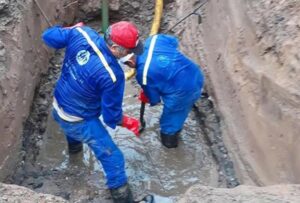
104,14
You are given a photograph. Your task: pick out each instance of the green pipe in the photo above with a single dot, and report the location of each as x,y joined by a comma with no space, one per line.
104,15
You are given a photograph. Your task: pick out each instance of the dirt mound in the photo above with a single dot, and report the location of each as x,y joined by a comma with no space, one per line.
13,193
196,194
246,194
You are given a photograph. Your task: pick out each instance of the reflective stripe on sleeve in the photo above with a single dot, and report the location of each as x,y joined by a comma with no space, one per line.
148,60
98,52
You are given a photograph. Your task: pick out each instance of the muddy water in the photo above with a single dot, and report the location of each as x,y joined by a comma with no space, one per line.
151,168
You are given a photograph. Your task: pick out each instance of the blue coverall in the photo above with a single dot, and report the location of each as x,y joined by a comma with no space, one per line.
86,89
172,77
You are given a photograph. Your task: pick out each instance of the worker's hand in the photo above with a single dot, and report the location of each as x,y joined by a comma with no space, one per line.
131,124
76,25
142,97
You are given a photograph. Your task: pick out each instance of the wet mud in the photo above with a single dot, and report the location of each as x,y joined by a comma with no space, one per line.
201,157
151,168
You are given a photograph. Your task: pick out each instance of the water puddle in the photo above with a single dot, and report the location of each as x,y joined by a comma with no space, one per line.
151,168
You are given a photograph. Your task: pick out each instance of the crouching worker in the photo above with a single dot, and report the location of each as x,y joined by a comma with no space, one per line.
92,84
166,74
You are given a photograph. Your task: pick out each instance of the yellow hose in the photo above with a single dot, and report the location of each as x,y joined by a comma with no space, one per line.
130,73
157,17
154,30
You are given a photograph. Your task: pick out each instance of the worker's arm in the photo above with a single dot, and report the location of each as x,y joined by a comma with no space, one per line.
111,106
152,94
148,94
112,109
57,37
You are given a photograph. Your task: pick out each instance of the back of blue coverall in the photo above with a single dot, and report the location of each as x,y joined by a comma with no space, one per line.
86,89
172,77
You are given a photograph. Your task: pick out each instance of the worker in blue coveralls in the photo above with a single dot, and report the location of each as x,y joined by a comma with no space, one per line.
164,73
92,84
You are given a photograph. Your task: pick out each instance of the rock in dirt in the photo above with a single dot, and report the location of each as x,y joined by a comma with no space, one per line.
3,5
13,193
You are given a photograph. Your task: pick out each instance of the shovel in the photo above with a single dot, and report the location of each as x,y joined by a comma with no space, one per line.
142,121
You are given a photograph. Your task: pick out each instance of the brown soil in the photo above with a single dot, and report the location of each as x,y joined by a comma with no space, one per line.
14,193
250,52
23,58
245,194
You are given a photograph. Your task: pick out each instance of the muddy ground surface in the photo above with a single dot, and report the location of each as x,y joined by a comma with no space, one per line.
201,157
243,193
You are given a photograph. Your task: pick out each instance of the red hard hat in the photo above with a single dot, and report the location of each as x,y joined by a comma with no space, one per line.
126,35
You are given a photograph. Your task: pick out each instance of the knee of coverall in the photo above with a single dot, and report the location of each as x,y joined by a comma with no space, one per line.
176,110
106,151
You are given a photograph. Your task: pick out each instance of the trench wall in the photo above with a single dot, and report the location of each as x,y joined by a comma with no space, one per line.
23,58
252,74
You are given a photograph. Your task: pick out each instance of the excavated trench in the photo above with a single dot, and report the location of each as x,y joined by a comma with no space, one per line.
201,158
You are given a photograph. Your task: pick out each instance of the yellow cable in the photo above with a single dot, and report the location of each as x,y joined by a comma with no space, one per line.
154,30
157,17
130,73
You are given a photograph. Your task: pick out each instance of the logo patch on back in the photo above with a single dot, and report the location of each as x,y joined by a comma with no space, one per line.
163,61
83,57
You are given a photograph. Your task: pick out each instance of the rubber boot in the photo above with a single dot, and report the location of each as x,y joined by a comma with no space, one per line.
122,194
169,141
75,148
147,199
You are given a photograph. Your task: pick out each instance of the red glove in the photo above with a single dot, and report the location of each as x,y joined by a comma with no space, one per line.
131,124
142,97
76,25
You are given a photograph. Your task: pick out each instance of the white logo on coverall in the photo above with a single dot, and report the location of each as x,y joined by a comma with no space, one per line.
83,57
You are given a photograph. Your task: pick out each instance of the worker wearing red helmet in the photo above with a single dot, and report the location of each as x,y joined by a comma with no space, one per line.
92,84
166,74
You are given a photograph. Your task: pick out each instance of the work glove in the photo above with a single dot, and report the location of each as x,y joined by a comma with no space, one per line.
131,124
142,97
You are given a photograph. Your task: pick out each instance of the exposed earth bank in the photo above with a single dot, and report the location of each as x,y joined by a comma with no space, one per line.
14,193
250,53
23,58
245,194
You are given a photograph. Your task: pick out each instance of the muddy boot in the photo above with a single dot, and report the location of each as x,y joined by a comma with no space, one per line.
122,194
169,141
75,148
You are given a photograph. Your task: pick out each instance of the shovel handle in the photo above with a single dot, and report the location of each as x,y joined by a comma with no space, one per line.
142,121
